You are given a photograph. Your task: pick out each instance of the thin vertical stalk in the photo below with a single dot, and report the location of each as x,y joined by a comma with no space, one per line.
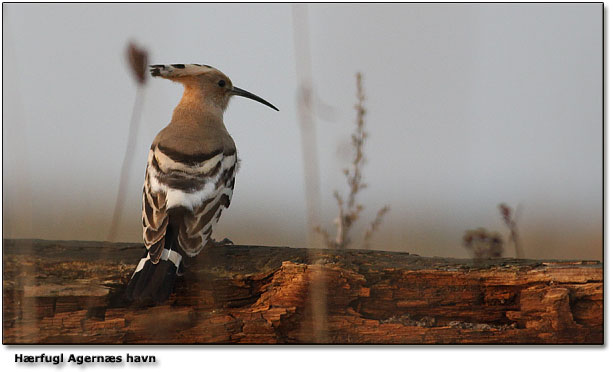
306,119
127,162
317,290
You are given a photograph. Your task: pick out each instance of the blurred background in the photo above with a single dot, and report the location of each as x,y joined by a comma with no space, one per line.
469,105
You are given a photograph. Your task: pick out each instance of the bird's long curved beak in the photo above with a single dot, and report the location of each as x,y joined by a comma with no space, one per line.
241,92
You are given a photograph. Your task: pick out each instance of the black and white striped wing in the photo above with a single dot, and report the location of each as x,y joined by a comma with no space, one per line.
155,220
195,233
200,186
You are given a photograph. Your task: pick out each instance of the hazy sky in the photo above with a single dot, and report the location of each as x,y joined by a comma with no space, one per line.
469,105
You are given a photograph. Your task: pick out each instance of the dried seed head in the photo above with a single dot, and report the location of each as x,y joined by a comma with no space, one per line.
137,59
505,210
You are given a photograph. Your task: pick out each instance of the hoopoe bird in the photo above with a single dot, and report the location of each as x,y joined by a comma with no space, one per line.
189,179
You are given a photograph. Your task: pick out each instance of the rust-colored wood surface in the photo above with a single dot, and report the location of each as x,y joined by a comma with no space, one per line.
72,292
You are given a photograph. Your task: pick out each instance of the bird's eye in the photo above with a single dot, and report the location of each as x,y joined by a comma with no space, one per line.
222,83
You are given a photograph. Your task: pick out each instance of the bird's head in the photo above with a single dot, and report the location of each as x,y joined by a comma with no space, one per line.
207,82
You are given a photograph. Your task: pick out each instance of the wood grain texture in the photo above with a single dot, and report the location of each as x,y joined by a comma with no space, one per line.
71,292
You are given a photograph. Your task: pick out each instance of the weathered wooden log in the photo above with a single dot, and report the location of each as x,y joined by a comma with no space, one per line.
72,292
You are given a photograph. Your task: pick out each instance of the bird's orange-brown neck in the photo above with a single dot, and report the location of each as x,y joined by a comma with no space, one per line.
196,104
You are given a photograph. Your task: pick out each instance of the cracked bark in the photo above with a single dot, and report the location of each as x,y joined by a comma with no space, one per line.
71,292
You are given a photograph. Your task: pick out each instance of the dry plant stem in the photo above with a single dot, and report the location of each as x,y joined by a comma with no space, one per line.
342,226
515,239
374,225
519,253
349,210
127,162
354,178
509,216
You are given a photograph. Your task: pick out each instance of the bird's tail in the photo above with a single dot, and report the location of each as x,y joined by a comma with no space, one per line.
153,283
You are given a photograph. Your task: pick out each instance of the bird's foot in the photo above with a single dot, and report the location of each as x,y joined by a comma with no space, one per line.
223,242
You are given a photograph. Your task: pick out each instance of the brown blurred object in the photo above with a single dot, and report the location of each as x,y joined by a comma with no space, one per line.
261,295
137,59
483,244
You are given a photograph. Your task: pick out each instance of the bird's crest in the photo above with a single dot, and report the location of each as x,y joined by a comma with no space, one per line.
178,70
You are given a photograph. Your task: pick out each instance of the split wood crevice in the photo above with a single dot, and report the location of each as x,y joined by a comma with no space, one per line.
72,292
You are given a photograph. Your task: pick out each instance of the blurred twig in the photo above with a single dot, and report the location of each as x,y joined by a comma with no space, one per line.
137,60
